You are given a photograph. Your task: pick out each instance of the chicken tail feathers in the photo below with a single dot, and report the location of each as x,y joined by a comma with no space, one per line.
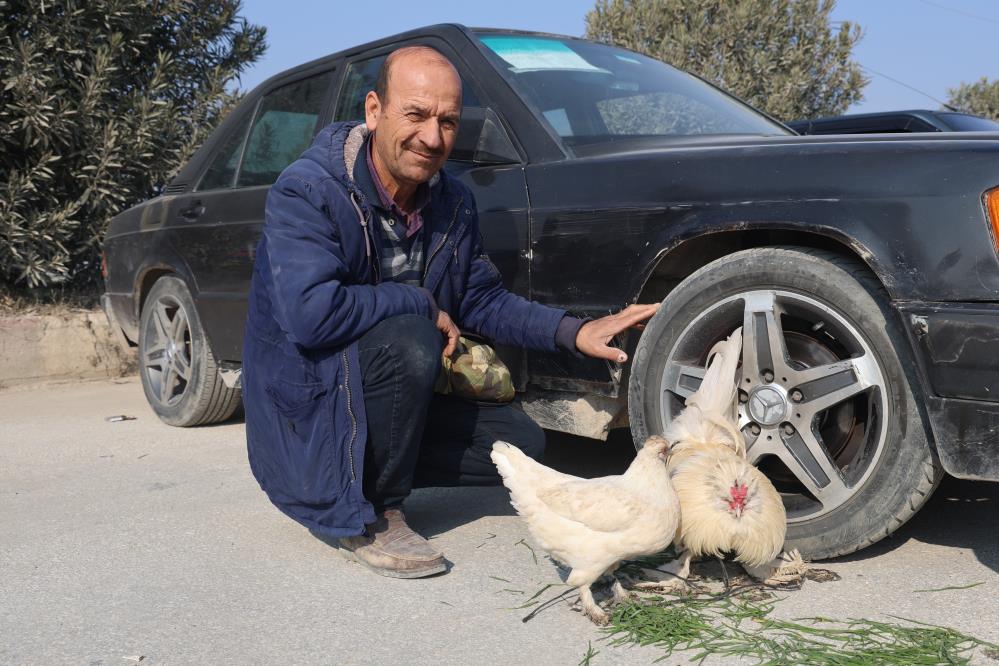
716,394
714,402
504,456
520,476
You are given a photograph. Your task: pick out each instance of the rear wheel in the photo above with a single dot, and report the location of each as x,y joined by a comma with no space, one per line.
826,404
179,373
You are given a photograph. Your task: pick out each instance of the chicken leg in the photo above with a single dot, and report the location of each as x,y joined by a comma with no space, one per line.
788,567
591,609
669,577
621,595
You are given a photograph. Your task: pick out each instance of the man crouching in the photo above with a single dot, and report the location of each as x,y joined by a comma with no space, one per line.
370,261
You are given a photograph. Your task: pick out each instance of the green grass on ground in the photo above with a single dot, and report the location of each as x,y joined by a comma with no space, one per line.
742,627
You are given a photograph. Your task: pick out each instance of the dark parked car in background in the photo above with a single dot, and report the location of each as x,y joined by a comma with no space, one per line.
888,122
864,273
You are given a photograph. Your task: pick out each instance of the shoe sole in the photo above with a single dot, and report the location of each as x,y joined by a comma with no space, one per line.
395,573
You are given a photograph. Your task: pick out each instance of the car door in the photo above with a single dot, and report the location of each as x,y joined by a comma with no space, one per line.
484,158
219,224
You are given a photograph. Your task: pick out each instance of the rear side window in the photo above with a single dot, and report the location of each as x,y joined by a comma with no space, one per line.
361,78
222,171
283,128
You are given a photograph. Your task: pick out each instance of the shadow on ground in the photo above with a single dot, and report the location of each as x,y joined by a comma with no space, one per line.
960,514
435,511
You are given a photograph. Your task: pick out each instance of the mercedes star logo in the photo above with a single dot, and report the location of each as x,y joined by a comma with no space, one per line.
767,405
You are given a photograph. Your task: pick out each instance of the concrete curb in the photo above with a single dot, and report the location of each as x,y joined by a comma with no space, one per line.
74,345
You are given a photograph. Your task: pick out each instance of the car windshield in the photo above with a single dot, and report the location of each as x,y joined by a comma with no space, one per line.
592,93
962,122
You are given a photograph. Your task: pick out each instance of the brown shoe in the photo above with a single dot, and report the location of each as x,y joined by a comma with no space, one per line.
391,548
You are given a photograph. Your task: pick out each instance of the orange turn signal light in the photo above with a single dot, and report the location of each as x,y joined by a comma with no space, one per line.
991,199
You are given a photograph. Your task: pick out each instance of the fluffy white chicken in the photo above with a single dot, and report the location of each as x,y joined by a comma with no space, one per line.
590,525
726,504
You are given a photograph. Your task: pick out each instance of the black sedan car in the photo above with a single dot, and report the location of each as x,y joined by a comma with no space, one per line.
863,270
917,120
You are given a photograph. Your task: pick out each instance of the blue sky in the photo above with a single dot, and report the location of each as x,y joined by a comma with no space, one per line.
930,45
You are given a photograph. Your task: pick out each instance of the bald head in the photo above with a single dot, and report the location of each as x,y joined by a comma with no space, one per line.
411,56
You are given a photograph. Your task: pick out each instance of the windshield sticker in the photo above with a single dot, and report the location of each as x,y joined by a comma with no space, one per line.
527,54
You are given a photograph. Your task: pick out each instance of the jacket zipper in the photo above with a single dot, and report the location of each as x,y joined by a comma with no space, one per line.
353,418
346,364
368,242
454,218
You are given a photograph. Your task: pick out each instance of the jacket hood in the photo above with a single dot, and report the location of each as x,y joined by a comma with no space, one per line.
336,148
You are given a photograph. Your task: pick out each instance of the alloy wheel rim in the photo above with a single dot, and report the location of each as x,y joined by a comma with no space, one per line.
167,352
813,398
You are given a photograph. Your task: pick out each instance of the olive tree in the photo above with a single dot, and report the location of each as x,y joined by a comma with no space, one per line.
785,57
101,101
980,98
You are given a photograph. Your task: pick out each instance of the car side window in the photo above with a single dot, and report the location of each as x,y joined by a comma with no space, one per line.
222,171
361,77
283,127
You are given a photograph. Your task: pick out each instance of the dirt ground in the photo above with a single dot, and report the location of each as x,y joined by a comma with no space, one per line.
121,540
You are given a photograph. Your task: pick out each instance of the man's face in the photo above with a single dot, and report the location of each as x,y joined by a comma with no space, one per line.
418,122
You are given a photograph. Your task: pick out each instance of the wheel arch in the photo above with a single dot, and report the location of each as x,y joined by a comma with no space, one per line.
674,263
147,278
149,274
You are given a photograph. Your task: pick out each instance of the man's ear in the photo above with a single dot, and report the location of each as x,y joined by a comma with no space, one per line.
372,109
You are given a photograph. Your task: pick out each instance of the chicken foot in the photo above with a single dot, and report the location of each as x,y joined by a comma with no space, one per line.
668,577
788,567
590,607
621,595
582,581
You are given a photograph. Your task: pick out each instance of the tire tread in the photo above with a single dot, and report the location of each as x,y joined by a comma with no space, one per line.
932,472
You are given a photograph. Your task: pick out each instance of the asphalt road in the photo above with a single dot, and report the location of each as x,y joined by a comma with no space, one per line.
135,539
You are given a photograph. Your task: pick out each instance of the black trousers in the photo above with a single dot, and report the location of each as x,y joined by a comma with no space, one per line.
417,438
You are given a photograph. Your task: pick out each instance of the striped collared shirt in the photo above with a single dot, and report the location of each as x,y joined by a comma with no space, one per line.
401,257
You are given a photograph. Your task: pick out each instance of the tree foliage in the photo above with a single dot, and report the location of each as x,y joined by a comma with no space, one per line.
980,98
101,102
781,56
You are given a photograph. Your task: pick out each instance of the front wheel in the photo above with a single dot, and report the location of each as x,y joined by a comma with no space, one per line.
179,374
826,403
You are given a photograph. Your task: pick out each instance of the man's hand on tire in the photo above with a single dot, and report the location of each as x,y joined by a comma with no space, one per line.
594,335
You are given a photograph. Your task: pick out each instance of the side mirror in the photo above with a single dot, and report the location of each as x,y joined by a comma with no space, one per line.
482,139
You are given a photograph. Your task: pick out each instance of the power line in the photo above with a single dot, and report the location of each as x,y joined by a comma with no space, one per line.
960,11
906,85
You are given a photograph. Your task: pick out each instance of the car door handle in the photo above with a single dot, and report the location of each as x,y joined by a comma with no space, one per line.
193,212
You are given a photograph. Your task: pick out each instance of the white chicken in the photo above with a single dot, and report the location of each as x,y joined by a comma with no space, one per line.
591,525
726,504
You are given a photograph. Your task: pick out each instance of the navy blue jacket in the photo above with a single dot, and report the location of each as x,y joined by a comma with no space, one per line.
315,292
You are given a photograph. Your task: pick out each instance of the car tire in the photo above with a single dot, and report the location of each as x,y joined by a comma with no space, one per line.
179,374
851,471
